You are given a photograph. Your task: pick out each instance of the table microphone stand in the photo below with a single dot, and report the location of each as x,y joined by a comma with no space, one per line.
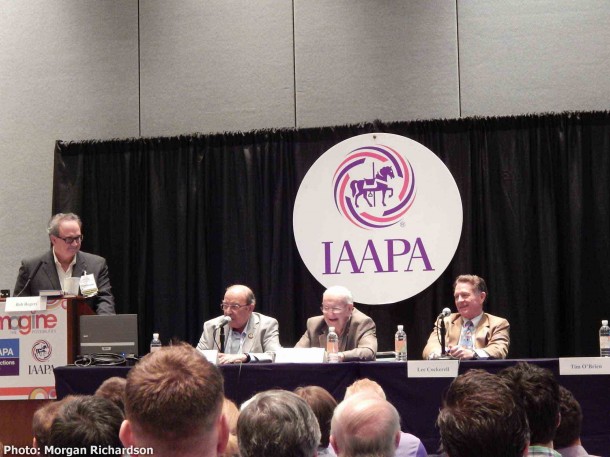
443,329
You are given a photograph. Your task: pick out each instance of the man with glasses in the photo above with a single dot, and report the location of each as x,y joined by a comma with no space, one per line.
65,260
249,337
356,330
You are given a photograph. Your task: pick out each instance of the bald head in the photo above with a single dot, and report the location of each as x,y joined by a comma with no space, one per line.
365,424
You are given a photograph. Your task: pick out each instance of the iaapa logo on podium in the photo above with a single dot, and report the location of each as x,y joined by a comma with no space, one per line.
380,214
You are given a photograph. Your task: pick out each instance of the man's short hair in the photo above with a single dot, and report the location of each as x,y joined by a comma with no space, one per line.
342,292
364,424
477,282
539,392
250,298
277,423
481,416
323,404
173,392
86,421
43,419
57,219
113,389
568,432
365,385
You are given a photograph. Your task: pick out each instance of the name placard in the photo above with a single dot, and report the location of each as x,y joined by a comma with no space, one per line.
432,368
210,354
22,304
584,365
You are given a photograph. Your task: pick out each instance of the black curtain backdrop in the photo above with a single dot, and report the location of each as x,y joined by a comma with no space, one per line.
179,219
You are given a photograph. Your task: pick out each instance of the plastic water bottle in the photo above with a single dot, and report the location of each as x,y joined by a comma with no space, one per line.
604,340
155,344
400,344
332,345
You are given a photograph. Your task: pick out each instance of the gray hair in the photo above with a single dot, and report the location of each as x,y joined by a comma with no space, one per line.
277,423
340,292
364,425
53,227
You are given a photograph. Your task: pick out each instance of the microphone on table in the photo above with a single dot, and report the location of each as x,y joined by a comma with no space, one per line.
443,330
27,283
444,313
221,326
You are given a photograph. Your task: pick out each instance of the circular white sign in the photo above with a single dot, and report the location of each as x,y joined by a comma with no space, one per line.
379,214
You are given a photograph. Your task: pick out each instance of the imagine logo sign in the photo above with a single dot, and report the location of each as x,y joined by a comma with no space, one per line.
362,219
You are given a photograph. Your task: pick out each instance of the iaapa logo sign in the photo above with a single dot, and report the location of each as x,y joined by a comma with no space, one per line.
380,214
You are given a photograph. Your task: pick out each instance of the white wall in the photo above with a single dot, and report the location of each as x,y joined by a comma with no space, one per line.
85,69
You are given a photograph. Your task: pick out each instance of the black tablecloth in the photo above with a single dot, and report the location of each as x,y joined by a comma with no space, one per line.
417,399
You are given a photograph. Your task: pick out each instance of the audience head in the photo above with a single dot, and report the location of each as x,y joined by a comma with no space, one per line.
173,403
113,389
365,385
539,393
481,416
231,413
337,307
42,421
568,432
323,404
363,425
86,421
277,423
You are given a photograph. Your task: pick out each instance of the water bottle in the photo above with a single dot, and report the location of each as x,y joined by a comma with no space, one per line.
332,345
400,344
155,344
604,340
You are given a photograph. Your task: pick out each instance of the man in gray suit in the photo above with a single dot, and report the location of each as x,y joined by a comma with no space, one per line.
356,330
249,337
64,260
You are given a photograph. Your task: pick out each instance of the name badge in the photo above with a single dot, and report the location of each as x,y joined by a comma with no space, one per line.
88,287
584,365
432,368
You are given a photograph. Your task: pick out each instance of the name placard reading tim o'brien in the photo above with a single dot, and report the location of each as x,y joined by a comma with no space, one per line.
432,368
584,365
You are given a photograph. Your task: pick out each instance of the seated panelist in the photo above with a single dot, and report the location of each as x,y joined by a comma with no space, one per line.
249,336
356,330
471,333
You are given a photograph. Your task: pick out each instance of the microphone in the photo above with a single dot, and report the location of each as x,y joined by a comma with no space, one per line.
223,321
446,312
27,283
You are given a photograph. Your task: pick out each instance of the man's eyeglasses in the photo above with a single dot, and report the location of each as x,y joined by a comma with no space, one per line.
233,306
71,239
326,309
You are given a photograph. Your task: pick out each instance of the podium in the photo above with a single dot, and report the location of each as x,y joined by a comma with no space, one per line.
22,397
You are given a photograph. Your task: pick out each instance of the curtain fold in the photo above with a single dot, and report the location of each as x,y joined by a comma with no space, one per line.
179,219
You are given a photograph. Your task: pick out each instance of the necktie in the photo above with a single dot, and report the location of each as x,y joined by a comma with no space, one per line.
467,332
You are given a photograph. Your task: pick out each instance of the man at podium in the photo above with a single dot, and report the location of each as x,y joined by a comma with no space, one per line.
51,270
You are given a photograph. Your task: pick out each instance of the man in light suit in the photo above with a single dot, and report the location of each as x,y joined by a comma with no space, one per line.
65,259
356,330
250,336
471,333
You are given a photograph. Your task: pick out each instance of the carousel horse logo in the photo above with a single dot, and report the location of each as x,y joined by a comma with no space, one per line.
374,187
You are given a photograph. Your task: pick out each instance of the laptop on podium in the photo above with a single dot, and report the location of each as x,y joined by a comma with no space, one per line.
109,334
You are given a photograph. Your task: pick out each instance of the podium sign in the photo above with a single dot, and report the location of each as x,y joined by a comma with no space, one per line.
32,343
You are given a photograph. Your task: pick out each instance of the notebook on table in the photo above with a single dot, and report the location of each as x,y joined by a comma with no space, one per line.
115,334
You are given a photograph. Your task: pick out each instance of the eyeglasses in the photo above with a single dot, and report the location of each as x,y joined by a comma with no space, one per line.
71,239
233,306
326,309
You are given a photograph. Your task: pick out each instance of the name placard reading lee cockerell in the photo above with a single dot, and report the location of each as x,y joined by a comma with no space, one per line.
584,365
432,368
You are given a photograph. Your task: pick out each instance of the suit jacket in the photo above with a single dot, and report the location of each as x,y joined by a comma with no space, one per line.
491,335
261,343
47,279
359,343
